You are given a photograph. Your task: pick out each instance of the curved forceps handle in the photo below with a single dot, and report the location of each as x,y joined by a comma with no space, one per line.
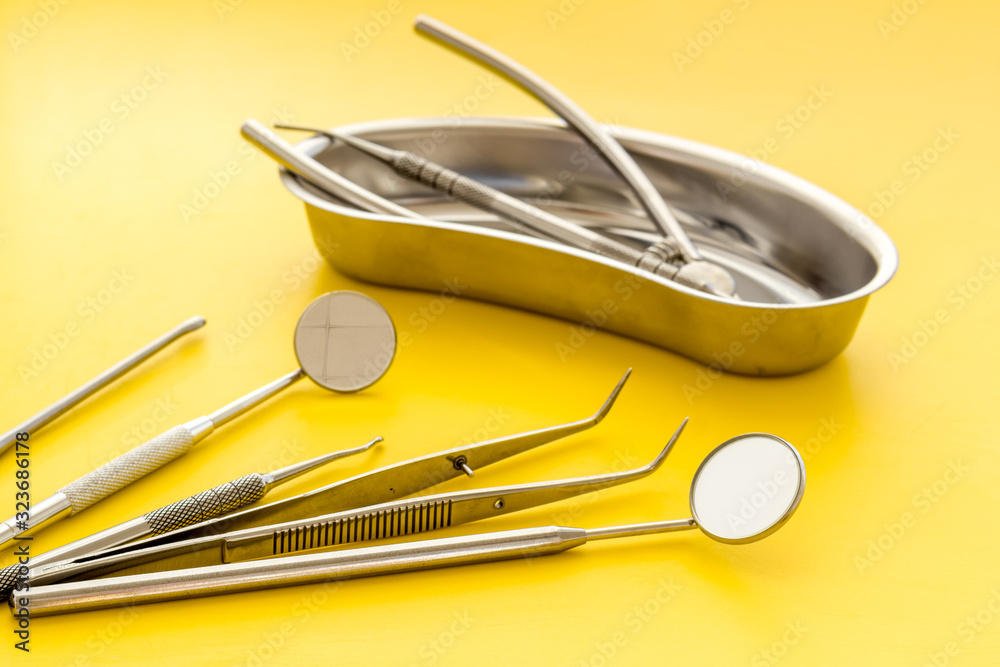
595,134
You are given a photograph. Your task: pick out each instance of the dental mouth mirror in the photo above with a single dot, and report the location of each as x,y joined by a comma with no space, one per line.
77,396
747,488
344,342
743,491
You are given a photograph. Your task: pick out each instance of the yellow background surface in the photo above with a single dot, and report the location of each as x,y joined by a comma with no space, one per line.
843,583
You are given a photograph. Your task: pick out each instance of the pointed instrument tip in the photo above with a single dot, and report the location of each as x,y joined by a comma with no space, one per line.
610,401
290,472
662,456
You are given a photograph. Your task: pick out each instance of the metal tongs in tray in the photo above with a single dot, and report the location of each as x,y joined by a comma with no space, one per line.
673,256
505,204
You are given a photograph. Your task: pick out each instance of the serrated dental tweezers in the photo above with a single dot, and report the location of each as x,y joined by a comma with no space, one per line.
366,507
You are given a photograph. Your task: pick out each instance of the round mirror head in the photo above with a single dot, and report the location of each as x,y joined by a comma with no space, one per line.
747,488
345,341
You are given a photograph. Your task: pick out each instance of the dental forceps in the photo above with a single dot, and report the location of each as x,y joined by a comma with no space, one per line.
743,491
215,502
675,244
366,507
520,213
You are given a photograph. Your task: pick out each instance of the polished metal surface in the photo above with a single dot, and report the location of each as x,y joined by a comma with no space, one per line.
593,132
149,456
244,404
41,514
217,541
489,199
637,529
73,398
129,467
738,468
728,470
133,529
231,496
290,158
102,482
345,341
523,215
386,520
220,500
190,583
281,476
747,488
805,263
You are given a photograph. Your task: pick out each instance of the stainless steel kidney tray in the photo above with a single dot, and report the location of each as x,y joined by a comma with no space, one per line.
805,262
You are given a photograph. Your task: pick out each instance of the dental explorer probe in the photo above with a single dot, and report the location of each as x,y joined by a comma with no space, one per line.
330,352
88,595
481,196
71,399
743,491
203,506
369,506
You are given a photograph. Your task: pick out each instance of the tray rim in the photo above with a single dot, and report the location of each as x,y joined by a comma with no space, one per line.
853,221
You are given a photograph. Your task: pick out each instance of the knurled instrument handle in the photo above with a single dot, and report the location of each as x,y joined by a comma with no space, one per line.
8,578
127,468
207,505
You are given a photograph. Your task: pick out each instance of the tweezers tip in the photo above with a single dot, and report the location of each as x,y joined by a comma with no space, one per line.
610,401
661,457
677,433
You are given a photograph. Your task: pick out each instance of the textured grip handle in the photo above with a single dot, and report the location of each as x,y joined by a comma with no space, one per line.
207,504
8,578
127,468
440,178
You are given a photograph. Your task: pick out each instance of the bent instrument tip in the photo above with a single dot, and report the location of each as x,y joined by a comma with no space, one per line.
606,408
662,456
287,473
